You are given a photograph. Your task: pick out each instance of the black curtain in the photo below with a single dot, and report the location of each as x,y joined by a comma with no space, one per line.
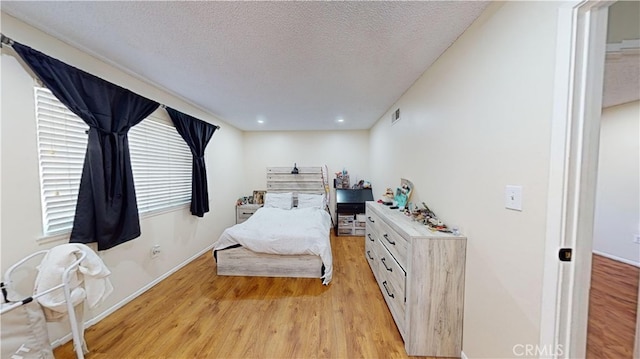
196,133
107,210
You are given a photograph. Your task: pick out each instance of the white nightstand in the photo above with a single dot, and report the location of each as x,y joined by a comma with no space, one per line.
243,212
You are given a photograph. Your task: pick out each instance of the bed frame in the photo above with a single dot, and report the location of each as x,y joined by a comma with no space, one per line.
240,261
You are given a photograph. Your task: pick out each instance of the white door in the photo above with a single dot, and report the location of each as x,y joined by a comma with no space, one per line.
582,28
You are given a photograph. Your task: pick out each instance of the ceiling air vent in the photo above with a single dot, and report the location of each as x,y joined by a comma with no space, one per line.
395,116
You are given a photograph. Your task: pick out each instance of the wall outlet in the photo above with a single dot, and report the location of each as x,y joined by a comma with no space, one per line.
636,239
155,251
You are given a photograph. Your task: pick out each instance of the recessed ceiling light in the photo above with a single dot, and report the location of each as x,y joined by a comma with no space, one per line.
340,120
260,121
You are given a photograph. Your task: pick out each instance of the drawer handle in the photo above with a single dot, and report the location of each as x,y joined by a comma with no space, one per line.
386,236
385,265
384,284
371,220
369,254
371,239
247,212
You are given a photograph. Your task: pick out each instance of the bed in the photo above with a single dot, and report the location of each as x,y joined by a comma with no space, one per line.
288,237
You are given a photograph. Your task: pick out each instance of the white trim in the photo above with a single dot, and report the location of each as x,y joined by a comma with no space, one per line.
56,343
617,259
624,46
572,174
463,355
552,269
63,237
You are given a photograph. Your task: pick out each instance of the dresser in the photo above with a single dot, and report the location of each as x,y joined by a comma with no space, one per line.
244,211
421,276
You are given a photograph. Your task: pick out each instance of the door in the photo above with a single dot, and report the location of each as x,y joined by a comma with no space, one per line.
582,27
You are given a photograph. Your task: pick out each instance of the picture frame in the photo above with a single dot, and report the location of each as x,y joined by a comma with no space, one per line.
258,196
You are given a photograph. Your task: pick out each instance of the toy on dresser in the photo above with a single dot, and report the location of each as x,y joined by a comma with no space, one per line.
387,197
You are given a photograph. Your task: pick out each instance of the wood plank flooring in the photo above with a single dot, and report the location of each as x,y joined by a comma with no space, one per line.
613,302
196,314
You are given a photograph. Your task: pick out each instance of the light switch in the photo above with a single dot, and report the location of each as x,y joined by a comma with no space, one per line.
513,197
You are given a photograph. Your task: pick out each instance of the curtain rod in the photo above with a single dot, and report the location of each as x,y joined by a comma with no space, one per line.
216,126
4,40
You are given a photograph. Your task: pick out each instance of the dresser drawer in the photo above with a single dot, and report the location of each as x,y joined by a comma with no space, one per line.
371,254
345,220
358,231
244,212
372,222
374,251
390,277
395,274
396,244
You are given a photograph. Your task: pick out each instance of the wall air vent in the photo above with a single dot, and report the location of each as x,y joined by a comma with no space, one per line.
395,116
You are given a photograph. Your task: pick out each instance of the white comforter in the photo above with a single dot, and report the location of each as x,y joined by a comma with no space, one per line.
279,231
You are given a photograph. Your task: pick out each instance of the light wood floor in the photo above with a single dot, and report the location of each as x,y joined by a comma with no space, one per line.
196,314
613,302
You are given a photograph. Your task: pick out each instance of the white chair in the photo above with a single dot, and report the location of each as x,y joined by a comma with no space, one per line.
8,306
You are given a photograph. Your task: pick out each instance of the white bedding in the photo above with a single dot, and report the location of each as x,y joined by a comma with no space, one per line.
279,231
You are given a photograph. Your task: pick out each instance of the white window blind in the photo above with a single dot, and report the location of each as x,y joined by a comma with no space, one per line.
161,163
160,159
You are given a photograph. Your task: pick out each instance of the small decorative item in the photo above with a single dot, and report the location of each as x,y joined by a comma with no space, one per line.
244,200
258,197
342,180
387,197
403,193
295,170
428,218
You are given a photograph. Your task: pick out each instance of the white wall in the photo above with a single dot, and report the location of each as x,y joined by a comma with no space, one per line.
617,215
624,17
476,121
336,149
180,235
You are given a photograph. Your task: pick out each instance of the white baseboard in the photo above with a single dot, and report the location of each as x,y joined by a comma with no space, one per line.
58,342
616,258
463,355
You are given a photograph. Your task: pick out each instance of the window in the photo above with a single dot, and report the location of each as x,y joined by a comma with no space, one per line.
160,160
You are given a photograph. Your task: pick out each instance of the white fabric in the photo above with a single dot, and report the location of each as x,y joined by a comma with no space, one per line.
92,272
306,200
278,231
278,200
23,333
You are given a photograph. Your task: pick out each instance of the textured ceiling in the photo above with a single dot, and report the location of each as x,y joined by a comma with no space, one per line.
294,65
621,78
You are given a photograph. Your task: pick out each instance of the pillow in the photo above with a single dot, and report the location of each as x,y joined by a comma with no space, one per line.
278,200
306,200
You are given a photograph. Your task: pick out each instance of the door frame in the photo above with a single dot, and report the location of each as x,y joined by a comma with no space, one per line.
575,136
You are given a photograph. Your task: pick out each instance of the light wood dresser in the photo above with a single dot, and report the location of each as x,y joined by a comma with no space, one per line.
421,276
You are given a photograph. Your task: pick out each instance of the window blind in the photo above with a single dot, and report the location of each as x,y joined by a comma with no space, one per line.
161,163
160,160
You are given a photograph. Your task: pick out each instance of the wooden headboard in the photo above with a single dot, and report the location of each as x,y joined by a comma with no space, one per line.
308,180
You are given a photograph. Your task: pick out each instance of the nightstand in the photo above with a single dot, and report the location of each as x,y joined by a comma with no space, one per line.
244,211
